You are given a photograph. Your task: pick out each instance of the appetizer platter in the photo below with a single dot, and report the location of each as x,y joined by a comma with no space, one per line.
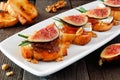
73,36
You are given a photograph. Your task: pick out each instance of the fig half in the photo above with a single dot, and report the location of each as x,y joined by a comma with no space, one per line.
47,34
112,3
75,20
111,52
99,13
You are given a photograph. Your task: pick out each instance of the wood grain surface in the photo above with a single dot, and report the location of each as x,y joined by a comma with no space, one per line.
84,69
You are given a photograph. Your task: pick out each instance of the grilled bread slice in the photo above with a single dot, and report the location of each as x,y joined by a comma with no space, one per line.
21,19
3,6
115,8
24,8
51,51
115,13
7,20
76,36
100,18
100,26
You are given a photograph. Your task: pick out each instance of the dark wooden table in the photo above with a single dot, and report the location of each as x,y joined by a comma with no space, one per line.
84,69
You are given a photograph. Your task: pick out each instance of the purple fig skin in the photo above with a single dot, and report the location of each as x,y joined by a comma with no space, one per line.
99,13
111,53
115,8
47,34
112,3
75,20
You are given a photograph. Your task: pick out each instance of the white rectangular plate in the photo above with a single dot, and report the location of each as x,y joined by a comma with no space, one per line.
11,49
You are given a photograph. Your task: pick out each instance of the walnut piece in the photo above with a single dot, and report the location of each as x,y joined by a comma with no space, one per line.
5,67
116,22
32,60
100,62
59,59
54,7
94,34
9,73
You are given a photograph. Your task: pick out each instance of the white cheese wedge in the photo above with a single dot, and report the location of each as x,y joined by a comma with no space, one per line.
101,5
107,20
87,27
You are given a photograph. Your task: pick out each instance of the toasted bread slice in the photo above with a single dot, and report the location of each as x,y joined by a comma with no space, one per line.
102,26
78,36
3,6
99,25
6,20
21,19
82,39
43,53
24,8
115,22
11,11
115,12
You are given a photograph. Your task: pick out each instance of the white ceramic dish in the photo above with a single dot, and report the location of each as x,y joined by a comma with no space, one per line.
11,49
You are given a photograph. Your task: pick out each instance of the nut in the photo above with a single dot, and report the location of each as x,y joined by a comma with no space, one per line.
54,7
34,61
59,59
5,67
100,62
94,34
116,22
9,73
28,59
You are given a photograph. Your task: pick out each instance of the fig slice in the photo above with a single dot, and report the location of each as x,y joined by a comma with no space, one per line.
46,34
75,20
99,12
112,3
111,52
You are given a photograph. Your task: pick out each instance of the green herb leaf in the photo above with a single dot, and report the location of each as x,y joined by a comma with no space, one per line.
24,36
102,0
82,10
58,19
24,43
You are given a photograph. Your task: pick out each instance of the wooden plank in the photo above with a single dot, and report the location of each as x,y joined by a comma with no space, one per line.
76,71
42,4
107,72
33,1
82,73
5,33
94,71
111,71
18,72
29,76
3,0
76,3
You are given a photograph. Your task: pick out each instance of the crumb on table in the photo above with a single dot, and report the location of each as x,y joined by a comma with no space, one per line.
10,73
5,67
32,60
